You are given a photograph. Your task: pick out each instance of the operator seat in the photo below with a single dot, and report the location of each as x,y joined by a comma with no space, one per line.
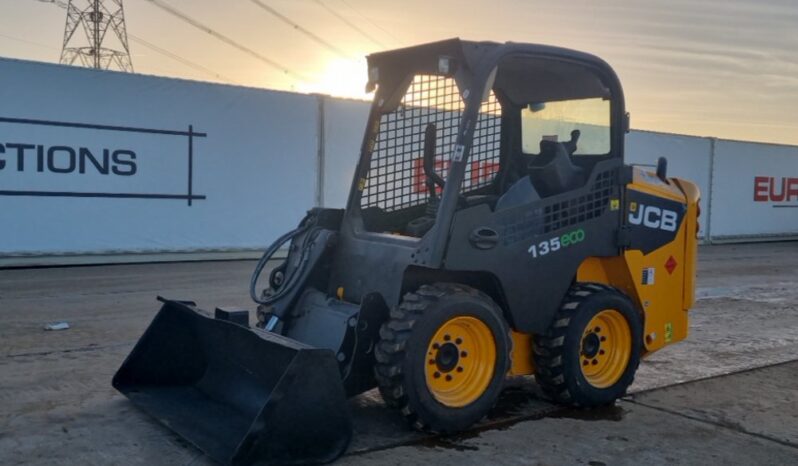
552,171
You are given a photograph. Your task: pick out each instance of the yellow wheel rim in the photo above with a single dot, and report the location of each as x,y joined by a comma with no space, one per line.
606,348
460,361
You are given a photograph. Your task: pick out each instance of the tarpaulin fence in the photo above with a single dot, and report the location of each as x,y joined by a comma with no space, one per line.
113,167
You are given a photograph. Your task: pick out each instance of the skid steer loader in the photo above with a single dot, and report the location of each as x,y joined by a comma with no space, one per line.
492,229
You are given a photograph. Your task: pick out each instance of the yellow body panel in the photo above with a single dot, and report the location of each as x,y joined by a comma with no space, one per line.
521,361
691,250
666,300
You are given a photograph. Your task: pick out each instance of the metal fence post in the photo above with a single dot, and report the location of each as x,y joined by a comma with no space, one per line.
320,153
710,197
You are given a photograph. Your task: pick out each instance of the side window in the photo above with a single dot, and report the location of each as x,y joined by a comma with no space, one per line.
555,121
395,191
396,180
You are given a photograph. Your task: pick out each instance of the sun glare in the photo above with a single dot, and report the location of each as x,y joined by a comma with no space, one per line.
340,78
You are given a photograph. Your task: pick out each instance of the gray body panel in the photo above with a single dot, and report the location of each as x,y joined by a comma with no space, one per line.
534,284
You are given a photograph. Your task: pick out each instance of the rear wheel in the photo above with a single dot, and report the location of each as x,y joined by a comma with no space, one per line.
589,355
443,356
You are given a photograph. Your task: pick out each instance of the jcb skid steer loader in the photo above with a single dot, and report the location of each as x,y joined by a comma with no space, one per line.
492,229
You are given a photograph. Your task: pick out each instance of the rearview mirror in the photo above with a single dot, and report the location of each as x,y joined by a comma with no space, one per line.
536,106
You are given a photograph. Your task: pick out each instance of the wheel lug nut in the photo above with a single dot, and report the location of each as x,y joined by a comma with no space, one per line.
459,341
447,338
448,378
463,354
431,362
459,369
594,362
603,339
597,329
436,375
601,351
435,346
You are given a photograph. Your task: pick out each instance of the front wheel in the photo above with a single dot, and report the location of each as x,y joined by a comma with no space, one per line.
442,357
591,351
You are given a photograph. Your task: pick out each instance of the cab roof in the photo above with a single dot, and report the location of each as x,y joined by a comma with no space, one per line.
558,73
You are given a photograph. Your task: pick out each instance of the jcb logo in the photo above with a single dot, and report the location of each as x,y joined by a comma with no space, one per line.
652,217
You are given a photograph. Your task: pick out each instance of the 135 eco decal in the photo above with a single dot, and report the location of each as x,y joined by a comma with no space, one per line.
557,243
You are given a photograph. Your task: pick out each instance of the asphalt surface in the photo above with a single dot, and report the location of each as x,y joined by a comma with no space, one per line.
727,394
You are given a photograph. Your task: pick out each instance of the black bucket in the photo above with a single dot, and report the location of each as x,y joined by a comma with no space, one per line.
240,395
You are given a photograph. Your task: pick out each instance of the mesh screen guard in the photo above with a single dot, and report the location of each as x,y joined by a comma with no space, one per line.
396,179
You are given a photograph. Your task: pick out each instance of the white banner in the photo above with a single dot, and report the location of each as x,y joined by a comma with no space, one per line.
755,190
107,163
344,125
99,162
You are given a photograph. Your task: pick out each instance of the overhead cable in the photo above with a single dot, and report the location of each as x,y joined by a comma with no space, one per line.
204,28
370,21
350,24
329,46
179,59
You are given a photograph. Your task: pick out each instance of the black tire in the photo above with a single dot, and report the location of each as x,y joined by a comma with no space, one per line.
560,352
402,355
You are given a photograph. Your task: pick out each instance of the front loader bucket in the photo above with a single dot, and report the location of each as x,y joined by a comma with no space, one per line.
240,395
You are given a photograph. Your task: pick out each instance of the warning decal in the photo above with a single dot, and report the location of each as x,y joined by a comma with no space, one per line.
648,276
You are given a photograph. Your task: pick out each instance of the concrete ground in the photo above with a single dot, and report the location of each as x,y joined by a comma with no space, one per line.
747,418
57,406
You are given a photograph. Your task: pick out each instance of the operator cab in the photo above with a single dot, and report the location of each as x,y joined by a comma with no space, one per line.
544,120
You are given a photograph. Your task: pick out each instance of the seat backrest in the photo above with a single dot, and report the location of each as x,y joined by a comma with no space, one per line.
554,172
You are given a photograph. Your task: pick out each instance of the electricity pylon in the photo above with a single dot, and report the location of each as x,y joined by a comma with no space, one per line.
93,47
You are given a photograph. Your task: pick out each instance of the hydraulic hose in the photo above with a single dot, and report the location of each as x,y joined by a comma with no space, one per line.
267,255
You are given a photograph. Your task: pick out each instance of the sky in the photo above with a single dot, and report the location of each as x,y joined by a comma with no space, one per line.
722,68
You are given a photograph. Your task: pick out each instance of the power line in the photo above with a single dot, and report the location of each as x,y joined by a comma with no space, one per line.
396,39
350,24
59,3
202,27
180,59
299,28
25,41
